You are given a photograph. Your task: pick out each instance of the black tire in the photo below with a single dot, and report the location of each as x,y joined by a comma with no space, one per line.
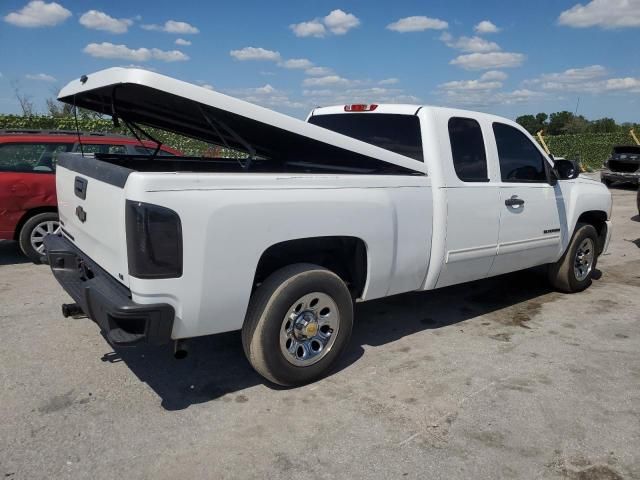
562,274
24,237
268,307
606,181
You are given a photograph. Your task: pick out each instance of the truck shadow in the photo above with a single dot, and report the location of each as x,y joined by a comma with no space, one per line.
10,253
216,365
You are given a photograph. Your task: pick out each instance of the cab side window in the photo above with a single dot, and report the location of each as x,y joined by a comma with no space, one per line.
103,148
31,157
467,148
520,160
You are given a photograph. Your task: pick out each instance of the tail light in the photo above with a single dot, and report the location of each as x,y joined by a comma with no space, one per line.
360,107
154,241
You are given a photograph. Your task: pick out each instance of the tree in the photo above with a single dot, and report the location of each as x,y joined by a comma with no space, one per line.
604,125
576,125
58,109
533,124
26,104
558,122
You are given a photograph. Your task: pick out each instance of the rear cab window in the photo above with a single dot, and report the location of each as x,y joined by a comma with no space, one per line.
468,150
32,157
395,132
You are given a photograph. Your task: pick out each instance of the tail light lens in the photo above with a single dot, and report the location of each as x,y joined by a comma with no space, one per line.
154,241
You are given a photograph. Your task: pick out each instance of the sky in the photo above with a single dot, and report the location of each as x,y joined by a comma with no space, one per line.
508,58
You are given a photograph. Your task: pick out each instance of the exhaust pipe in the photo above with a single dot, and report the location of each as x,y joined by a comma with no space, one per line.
180,350
72,310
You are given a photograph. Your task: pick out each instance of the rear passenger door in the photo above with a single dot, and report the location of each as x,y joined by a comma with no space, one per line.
529,212
472,223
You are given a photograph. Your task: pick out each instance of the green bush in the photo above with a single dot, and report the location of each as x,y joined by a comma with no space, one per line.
591,149
186,145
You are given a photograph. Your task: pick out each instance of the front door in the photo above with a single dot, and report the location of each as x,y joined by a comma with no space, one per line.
529,212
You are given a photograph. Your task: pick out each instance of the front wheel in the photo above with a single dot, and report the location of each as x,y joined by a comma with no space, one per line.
298,323
572,273
31,237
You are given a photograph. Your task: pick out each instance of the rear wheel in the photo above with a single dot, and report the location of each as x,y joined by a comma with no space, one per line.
298,323
572,273
31,237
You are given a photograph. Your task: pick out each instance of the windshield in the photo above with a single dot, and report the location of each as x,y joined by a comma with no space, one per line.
398,133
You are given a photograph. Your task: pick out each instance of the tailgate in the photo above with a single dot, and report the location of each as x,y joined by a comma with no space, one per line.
91,201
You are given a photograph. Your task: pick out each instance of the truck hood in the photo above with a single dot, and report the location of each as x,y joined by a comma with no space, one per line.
148,98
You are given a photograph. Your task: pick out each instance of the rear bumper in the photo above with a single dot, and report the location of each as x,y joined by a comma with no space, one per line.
104,300
633,177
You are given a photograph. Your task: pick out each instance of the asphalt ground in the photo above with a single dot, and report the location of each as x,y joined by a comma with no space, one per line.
501,378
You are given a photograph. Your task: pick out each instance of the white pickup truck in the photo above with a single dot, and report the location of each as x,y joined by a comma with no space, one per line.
359,202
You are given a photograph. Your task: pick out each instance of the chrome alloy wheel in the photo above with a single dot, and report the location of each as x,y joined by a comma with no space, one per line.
309,329
583,262
42,230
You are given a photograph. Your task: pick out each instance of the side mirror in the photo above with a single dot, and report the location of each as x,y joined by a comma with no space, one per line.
566,169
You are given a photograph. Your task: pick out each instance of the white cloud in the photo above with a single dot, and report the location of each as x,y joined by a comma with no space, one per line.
485,61
314,28
478,98
169,55
318,71
359,95
255,53
337,22
38,14
466,85
417,24
572,76
329,80
207,86
268,96
41,77
388,81
134,65
182,42
340,22
485,26
591,79
96,20
173,26
493,75
469,44
297,63
109,50
602,13
627,83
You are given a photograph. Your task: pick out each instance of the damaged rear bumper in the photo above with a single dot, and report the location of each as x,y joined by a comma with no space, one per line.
632,177
105,300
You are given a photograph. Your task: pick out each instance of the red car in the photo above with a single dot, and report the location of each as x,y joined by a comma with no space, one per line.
28,204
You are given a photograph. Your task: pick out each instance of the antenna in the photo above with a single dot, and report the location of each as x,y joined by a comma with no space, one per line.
577,105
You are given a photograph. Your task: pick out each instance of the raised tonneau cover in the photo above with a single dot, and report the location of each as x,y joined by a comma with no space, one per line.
149,98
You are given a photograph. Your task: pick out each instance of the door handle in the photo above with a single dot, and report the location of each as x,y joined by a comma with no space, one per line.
514,202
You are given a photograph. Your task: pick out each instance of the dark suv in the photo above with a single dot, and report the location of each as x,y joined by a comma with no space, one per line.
28,204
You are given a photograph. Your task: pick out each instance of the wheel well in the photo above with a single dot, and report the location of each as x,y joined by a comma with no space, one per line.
28,215
598,219
345,256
